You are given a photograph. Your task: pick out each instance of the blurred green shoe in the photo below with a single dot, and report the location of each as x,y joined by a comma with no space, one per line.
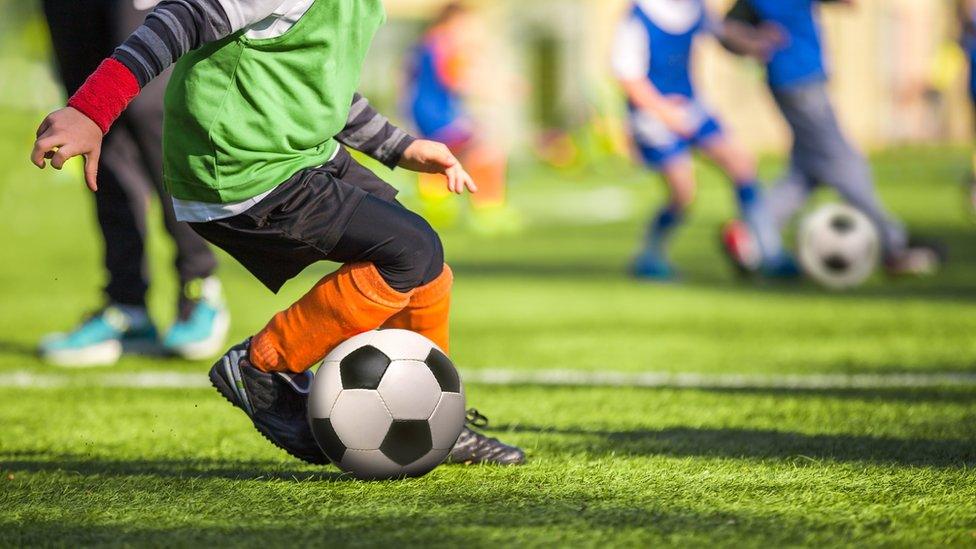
101,338
201,328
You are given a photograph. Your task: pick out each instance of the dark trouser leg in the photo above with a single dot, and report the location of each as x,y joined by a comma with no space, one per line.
824,155
789,194
144,120
81,37
84,33
121,203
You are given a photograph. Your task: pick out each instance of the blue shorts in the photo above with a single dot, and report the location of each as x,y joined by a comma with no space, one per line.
972,74
658,145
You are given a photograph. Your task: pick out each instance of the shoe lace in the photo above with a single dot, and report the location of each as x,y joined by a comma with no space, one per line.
476,419
477,446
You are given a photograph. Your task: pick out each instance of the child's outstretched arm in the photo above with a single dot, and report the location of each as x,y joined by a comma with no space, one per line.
371,133
630,62
172,29
743,32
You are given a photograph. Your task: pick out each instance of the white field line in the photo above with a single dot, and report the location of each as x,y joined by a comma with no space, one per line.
717,381
173,380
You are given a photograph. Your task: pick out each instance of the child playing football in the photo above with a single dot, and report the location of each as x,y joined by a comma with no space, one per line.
821,154
438,78
261,102
967,18
651,59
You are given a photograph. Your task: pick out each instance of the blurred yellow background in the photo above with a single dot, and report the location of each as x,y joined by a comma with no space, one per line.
545,68
882,55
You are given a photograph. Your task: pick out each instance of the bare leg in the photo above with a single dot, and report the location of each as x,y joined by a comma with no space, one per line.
679,175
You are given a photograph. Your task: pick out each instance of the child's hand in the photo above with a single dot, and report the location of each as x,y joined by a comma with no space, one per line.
674,112
432,157
67,133
770,38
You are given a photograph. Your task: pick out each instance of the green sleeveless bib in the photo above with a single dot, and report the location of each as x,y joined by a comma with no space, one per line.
244,115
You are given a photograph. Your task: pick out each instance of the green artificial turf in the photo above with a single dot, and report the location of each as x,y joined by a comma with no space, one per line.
750,466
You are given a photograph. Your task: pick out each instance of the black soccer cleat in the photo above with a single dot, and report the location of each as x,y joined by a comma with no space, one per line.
473,448
276,403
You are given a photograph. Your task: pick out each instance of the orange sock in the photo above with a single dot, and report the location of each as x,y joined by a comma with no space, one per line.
428,311
350,301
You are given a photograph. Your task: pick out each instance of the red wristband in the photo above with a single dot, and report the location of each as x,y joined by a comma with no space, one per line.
106,93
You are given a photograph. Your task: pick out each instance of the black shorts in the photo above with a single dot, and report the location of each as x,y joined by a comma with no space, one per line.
300,222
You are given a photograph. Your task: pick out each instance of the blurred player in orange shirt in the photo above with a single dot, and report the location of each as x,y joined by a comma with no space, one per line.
440,76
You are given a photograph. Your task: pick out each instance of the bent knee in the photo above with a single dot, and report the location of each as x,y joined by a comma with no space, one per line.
429,261
420,257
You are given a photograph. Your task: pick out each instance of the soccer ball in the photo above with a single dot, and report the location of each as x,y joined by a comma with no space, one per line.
839,246
387,404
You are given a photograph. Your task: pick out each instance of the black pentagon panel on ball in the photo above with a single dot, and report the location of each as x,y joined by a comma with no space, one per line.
843,224
363,368
444,371
407,441
837,264
328,440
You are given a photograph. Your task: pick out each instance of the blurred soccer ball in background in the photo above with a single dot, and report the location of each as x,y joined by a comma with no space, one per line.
839,246
387,404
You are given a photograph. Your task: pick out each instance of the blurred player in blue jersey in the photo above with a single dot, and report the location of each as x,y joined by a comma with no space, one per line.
967,18
821,154
651,59
440,77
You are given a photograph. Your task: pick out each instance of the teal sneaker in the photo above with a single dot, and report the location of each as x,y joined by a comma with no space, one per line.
651,266
201,329
101,339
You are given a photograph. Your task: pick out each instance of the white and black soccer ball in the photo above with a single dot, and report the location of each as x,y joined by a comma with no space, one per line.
387,404
839,246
